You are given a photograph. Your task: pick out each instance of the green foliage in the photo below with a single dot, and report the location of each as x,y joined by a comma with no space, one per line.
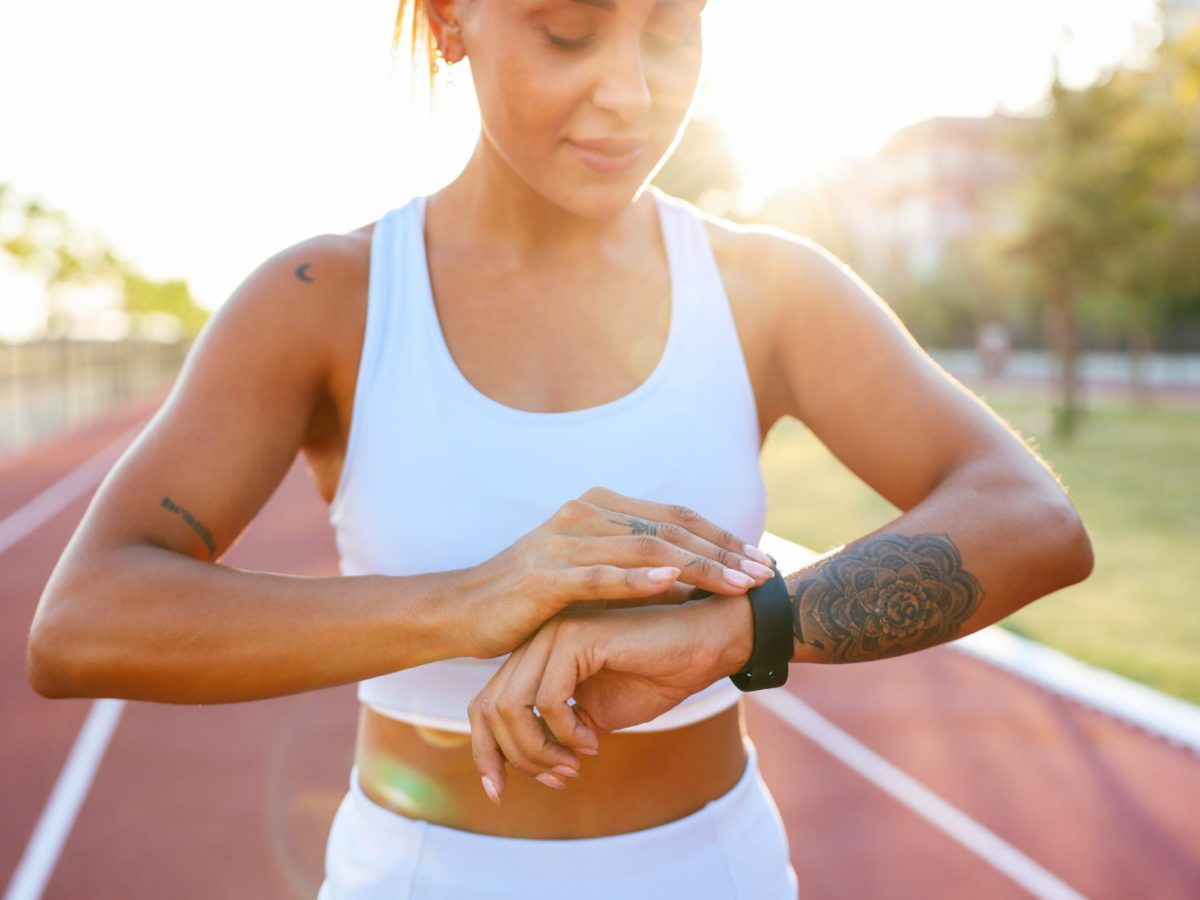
144,296
1111,204
43,240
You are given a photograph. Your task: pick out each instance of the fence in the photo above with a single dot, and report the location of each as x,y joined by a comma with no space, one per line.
53,385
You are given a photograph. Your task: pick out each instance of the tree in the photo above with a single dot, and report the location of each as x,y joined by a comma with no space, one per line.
143,296
43,240
1106,224
1155,270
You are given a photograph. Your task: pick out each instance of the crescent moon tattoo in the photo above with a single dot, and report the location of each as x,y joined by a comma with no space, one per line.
300,272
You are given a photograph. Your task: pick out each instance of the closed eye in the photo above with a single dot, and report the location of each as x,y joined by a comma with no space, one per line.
569,43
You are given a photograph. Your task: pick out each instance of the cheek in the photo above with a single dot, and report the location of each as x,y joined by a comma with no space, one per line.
675,83
524,106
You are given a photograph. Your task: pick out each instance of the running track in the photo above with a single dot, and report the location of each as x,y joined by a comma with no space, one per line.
932,775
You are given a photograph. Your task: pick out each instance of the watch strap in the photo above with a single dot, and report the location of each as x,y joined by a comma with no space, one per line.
771,608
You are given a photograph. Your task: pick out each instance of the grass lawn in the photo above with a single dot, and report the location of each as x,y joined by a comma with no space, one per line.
1133,475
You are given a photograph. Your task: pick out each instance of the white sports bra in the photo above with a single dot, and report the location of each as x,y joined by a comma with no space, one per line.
439,476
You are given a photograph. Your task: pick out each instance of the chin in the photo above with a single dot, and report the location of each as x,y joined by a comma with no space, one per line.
599,198
606,203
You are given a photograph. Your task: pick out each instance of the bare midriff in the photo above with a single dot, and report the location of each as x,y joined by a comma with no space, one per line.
638,780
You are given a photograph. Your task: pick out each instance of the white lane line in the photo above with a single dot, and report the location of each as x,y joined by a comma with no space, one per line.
62,493
958,826
58,816
1170,718
54,827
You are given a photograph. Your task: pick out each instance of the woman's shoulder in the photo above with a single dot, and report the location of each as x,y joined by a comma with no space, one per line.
756,248
307,301
326,274
761,261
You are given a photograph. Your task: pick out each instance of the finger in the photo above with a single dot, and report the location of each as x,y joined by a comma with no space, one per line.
692,549
677,514
603,512
602,581
485,751
515,757
558,725
677,593
560,678
488,703
642,553
562,715
534,736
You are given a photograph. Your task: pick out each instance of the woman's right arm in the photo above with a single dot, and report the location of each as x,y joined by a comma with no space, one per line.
139,607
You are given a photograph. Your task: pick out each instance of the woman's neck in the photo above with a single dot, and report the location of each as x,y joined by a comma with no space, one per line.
495,208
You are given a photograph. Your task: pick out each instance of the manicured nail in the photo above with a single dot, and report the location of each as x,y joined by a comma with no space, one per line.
738,579
754,553
489,788
566,770
550,781
666,573
752,568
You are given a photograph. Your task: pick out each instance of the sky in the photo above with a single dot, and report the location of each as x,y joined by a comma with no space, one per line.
201,139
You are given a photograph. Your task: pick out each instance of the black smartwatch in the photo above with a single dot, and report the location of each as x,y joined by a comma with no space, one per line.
773,647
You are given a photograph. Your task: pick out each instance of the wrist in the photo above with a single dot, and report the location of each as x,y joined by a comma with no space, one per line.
468,594
731,624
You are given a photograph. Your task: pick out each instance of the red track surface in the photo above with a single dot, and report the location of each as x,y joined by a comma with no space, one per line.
236,800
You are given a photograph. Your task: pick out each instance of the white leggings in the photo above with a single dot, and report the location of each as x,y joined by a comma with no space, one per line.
735,848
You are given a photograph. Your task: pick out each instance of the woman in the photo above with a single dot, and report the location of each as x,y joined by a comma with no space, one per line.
535,401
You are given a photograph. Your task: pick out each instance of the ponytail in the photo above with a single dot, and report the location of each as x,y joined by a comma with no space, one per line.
422,45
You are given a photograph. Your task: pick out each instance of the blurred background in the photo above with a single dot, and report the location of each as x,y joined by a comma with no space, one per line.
1019,181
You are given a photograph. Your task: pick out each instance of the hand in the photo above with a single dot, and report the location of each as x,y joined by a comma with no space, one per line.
622,667
601,546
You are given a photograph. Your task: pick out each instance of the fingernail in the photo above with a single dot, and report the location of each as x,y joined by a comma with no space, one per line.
590,751
756,554
752,568
738,579
550,780
489,788
566,770
667,573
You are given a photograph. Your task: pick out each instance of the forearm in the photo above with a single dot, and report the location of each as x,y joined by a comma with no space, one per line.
982,545
979,546
151,624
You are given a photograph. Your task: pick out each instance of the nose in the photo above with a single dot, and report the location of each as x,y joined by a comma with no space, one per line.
622,86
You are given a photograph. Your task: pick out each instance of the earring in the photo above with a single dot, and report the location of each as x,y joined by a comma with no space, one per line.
452,27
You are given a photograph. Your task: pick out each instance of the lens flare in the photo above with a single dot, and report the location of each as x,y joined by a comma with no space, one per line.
443,740
409,792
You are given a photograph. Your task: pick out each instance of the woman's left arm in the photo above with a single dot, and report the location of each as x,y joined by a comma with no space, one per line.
986,526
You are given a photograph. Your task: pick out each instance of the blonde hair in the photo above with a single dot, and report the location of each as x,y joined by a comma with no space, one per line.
412,19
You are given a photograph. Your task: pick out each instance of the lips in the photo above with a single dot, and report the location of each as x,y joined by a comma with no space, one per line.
607,155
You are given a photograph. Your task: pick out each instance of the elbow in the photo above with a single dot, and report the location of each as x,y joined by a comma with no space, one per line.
1074,558
51,667
43,668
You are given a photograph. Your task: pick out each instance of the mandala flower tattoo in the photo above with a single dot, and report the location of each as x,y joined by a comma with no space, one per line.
890,595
